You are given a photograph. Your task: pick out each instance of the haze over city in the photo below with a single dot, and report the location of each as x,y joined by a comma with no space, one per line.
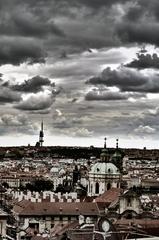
88,69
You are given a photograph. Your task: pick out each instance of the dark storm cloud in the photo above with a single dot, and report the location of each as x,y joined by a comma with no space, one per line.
145,61
34,85
127,80
74,25
89,3
139,32
58,24
16,51
140,23
26,24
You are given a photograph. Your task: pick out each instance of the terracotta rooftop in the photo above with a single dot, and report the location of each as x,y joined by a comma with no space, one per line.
39,238
109,196
27,208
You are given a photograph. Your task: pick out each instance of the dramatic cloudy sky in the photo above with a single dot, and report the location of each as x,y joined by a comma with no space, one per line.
88,68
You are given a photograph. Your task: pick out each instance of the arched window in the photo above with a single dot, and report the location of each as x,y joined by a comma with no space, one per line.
108,186
129,202
97,188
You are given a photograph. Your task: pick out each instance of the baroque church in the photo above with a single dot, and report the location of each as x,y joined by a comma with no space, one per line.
106,173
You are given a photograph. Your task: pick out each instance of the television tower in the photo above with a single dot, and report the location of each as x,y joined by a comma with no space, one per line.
41,135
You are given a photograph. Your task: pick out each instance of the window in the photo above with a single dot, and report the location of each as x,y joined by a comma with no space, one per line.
97,188
108,186
129,202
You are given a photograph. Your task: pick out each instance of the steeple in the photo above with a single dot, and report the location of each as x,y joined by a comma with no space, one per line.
117,157
104,156
41,135
117,143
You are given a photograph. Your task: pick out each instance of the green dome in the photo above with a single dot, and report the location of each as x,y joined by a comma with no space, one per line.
104,169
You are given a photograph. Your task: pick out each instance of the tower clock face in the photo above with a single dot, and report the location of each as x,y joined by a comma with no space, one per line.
105,226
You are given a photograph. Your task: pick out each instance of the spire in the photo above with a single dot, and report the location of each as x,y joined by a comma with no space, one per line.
105,145
104,156
117,141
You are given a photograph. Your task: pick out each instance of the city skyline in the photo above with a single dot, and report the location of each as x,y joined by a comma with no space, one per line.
89,69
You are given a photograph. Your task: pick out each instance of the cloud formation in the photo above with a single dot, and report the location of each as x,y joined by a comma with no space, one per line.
34,85
145,130
127,80
105,95
8,96
19,50
36,102
49,48
145,61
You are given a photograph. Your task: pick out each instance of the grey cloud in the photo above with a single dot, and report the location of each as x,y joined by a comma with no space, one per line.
15,51
8,96
13,120
16,123
59,24
23,23
66,122
99,95
142,32
95,4
139,23
127,80
34,84
145,61
145,130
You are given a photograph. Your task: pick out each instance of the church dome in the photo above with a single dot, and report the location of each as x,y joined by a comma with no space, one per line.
104,168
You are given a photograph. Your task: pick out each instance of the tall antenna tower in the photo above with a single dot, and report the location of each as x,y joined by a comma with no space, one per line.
41,135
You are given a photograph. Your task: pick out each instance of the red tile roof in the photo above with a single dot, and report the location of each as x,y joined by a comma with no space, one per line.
56,208
109,196
39,238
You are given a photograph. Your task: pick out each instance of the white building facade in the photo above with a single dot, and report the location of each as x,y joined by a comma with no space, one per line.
103,175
